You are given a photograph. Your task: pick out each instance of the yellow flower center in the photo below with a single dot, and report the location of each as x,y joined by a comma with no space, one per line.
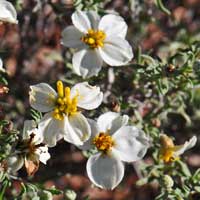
103,142
167,149
167,155
64,104
94,38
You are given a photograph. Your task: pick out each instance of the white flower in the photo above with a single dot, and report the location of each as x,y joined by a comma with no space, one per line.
170,152
63,119
8,12
116,143
97,40
30,151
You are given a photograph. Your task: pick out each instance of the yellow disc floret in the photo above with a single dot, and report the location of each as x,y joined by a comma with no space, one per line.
167,151
65,105
103,142
94,38
167,155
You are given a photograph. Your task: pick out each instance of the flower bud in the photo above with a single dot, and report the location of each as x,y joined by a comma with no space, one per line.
70,194
168,181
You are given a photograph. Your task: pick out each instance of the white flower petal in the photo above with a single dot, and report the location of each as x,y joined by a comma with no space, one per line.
94,19
87,62
116,51
52,129
38,135
8,12
71,37
81,21
118,122
15,163
89,97
105,120
28,125
42,97
187,145
130,143
30,128
94,131
113,25
43,154
77,129
1,66
104,171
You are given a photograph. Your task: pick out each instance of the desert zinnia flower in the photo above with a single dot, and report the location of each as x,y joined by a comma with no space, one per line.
8,12
63,118
30,151
97,40
115,143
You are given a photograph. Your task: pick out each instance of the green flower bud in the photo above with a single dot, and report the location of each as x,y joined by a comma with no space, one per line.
70,195
32,195
168,181
45,195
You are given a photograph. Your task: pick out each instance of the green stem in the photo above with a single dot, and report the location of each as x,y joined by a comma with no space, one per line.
161,6
3,189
